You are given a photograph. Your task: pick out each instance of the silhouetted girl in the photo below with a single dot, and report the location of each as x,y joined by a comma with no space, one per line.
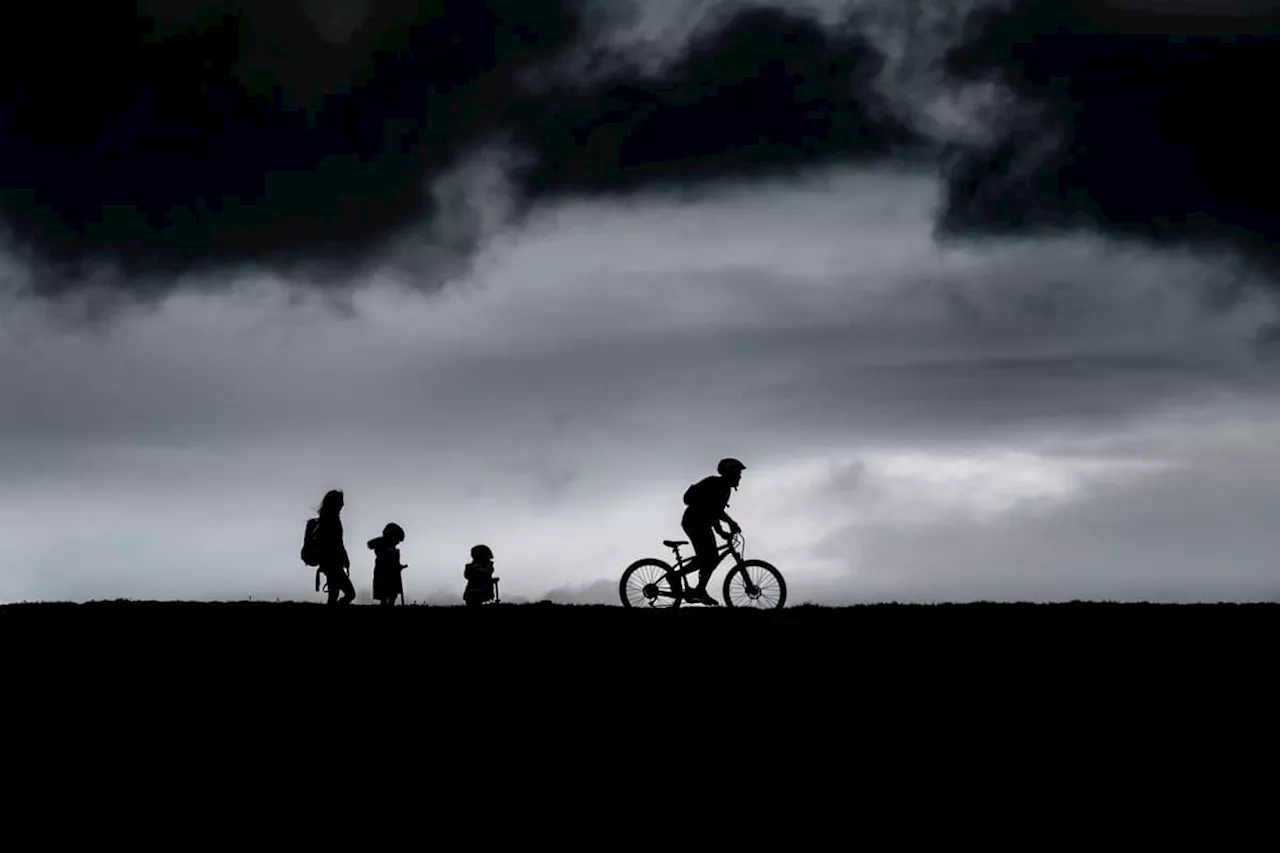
387,583
334,563
479,575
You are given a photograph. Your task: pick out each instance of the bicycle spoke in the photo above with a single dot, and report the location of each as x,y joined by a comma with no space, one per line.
656,581
765,581
767,587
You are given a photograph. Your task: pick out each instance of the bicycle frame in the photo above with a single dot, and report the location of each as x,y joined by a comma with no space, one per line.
686,565
640,577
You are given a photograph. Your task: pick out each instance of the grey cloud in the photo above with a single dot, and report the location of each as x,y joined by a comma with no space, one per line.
1037,335
1202,529
596,592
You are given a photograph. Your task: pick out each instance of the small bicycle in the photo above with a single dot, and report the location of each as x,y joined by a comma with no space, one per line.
655,583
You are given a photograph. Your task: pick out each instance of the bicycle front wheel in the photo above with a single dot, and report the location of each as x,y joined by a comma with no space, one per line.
648,583
755,583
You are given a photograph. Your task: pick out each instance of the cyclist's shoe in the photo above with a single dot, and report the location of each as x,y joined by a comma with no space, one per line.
700,596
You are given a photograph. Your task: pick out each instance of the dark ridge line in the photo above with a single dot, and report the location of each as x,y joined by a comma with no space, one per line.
123,604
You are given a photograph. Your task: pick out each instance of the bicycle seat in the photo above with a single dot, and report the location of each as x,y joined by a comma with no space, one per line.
671,543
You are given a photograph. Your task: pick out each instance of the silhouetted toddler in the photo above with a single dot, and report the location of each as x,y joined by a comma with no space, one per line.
387,583
479,575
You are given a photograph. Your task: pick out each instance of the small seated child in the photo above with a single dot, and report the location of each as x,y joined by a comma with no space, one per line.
387,582
479,575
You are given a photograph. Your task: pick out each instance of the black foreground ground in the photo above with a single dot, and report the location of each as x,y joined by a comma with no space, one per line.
902,724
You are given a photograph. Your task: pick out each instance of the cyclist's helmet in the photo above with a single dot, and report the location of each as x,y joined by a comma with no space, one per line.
393,531
481,553
729,466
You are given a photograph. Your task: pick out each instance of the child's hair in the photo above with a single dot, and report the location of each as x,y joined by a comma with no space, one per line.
481,553
391,535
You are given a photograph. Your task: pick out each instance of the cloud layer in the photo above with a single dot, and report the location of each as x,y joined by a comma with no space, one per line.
910,414
197,136
1138,119
177,141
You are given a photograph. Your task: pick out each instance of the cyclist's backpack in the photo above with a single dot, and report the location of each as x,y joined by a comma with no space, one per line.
699,495
696,494
310,551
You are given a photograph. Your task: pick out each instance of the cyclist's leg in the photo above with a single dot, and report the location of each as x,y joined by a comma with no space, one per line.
705,552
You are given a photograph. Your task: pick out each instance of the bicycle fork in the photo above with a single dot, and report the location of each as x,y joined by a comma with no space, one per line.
752,591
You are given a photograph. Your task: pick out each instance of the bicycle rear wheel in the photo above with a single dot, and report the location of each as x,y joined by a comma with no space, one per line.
755,583
648,583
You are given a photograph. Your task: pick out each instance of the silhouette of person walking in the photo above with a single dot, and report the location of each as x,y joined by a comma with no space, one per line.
479,575
387,581
706,501
334,563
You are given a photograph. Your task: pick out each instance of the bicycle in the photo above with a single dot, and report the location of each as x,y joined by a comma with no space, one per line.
656,583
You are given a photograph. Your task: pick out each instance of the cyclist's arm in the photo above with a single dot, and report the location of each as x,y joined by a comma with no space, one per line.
724,516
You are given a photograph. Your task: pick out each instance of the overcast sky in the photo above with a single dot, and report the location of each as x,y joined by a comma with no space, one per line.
958,363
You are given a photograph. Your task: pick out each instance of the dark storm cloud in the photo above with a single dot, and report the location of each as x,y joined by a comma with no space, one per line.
184,134
758,92
1140,119
173,137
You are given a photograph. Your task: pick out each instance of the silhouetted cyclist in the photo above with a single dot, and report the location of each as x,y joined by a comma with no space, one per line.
706,501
